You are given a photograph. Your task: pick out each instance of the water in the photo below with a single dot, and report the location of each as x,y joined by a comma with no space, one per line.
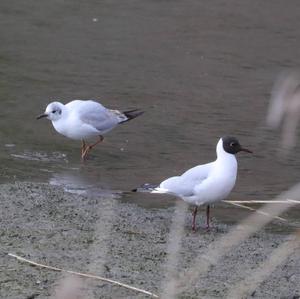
199,70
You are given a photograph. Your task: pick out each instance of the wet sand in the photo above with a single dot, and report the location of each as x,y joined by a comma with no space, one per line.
125,242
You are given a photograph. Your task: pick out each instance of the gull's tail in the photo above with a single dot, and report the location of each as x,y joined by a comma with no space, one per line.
131,114
150,188
145,188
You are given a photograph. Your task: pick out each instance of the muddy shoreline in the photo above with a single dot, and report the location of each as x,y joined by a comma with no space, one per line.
121,241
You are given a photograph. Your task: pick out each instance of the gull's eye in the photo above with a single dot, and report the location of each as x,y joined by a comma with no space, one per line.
54,111
232,144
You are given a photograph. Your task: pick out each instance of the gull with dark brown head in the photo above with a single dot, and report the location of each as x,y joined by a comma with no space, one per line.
206,183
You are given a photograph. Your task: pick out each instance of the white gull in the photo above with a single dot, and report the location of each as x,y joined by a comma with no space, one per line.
85,119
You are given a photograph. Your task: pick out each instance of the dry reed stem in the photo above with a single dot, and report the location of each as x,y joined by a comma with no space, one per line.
83,275
258,275
174,245
98,249
287,201
257,211
70,287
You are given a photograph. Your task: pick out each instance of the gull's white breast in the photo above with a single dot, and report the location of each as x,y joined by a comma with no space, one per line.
218,184
72,127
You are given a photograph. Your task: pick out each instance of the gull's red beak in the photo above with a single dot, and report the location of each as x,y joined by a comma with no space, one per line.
245,150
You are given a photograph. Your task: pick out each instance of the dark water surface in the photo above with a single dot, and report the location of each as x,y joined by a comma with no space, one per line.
199,69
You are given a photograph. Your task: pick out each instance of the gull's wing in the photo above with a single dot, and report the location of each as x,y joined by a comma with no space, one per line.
184,185
95,114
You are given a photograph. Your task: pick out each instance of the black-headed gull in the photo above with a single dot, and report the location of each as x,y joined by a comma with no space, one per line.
207,183
85,119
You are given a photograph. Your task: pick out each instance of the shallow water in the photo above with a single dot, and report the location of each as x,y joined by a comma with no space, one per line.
198,70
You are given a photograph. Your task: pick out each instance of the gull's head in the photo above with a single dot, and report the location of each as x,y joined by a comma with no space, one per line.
230,145
53,111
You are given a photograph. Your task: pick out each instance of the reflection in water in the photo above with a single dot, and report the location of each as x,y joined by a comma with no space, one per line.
78,184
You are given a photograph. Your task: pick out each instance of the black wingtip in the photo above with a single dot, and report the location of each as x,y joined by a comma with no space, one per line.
131,114
134,190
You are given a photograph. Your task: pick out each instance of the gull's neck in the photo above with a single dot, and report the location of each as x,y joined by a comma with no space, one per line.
225,166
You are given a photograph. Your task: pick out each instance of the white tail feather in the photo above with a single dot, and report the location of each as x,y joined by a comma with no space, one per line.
160,190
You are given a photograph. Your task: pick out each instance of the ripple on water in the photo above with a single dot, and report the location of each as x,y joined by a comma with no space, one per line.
41,156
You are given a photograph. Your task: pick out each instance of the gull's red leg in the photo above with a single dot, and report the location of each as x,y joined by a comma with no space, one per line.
83,147
194,218
207,217
89,147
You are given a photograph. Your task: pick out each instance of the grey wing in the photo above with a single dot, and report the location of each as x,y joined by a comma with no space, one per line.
98,116
184,185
